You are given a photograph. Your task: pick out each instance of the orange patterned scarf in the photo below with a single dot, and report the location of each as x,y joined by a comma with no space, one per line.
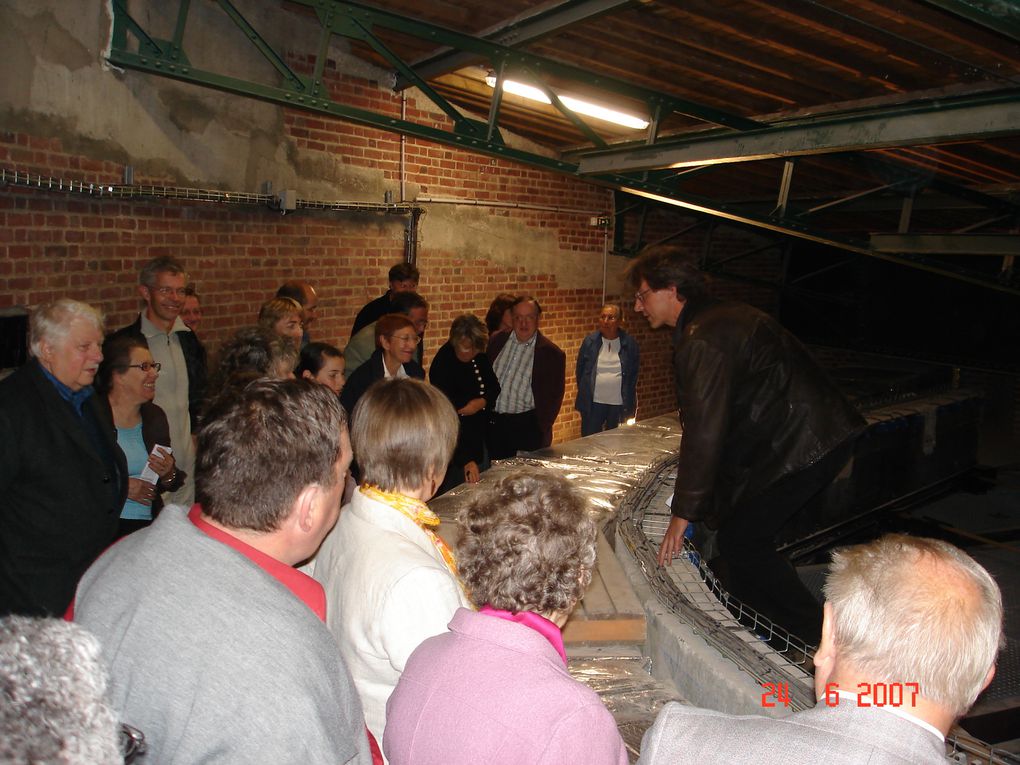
418,512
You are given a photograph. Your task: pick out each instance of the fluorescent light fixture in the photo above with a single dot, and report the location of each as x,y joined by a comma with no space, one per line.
574,104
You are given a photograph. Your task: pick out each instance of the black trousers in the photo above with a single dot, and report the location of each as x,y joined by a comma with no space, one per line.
512,433
748,564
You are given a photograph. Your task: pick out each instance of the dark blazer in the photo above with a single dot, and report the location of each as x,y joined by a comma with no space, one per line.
367,374
372,312
59,499
548,378
194,359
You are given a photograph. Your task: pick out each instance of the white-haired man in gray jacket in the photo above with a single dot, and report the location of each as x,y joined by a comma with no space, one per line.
910,635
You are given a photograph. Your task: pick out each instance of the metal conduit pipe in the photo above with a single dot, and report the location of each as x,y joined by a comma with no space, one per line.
509,205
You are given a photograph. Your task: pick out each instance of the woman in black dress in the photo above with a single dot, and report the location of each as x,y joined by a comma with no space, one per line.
463,372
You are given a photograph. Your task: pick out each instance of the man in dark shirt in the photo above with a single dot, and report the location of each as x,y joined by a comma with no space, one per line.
403,278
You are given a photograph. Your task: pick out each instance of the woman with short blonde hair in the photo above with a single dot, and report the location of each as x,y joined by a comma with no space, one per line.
284,316
390,580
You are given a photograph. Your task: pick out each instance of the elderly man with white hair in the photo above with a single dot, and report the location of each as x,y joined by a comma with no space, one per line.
63,479
911,631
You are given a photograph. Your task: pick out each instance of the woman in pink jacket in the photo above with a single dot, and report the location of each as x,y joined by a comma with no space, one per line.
495,687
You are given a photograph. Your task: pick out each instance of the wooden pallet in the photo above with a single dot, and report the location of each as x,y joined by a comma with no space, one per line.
609,612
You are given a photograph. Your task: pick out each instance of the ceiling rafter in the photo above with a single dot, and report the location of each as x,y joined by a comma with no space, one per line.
528,27
358,21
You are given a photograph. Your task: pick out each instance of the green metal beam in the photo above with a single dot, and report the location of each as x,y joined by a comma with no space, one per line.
152,58
516,60
530,26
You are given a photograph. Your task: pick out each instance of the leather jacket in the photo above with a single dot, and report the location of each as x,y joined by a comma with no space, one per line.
753,404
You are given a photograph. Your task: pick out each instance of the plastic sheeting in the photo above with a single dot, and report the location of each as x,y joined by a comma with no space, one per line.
604,467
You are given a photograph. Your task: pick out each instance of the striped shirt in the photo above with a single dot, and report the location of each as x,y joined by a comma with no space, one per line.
513,367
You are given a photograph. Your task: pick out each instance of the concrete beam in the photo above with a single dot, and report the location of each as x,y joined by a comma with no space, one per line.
979,117
948,244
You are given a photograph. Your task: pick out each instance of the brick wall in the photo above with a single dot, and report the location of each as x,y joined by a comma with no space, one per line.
55,244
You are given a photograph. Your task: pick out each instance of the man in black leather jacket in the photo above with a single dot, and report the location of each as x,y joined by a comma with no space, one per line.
764,430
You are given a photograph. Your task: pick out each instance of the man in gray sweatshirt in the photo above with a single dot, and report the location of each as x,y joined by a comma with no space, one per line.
215,643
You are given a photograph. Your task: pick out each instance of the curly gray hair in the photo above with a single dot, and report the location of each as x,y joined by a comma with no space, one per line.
53,685
527,543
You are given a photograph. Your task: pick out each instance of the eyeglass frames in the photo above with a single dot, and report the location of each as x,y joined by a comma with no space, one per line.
406,338
639,297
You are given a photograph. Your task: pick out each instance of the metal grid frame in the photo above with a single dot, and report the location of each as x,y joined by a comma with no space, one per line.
688,588
762,648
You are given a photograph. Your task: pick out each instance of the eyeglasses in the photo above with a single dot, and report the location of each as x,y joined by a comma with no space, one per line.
132,743
407,339
168,291
639,297
145,366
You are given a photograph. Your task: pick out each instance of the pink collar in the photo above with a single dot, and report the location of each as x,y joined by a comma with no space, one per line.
539,623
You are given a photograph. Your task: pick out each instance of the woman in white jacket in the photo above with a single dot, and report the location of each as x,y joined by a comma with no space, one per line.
390,581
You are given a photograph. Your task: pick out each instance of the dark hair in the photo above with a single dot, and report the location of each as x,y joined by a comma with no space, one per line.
251,353
190,291
469,327
293,290
403,429
527,299
313,358
390,323
116,357
527,543
165,264
666,265
403,302
499,306
404,271
260,446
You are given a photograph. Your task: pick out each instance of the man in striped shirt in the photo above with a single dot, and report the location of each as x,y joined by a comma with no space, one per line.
531,370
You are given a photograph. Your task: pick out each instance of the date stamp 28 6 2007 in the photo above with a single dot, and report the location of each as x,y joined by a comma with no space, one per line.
867,694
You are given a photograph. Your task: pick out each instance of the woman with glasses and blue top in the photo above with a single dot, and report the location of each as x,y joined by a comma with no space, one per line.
127,381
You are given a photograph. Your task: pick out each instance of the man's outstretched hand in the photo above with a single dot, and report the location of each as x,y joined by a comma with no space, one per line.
673,541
